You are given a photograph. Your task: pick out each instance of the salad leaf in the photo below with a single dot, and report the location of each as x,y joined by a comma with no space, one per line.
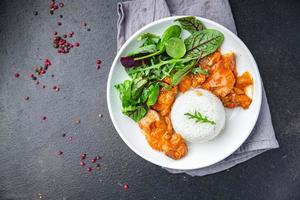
191,24
175,47
147,36
129,61
153,94
176,78
203,43
198,70
172,31
143,50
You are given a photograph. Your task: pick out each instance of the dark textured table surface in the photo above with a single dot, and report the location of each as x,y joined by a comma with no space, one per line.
29,166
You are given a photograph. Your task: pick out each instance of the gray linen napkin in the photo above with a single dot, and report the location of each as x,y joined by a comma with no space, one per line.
135,14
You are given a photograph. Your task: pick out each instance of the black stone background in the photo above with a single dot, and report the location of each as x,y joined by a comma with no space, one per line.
28,164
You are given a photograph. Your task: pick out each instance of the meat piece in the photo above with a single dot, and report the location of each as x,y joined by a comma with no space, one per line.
207,62
221,79
233,100
185,84
158,131
165,101
244,81
197,80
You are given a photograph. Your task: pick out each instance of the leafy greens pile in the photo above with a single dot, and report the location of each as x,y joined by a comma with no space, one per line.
167,56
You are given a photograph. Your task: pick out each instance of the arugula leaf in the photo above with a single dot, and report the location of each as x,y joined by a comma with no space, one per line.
198,70
199,118
203,43
191,24
176,78
143,50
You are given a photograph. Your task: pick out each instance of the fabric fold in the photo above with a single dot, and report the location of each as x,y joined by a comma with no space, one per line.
135,14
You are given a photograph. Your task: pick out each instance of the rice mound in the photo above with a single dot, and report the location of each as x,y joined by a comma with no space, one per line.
208,105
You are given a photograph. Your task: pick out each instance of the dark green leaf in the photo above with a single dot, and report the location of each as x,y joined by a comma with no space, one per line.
153,94
191,24
203,43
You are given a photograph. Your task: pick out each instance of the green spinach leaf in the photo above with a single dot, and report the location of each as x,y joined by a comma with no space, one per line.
191,24
175,47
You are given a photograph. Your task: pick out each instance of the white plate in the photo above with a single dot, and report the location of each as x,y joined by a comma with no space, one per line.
239,122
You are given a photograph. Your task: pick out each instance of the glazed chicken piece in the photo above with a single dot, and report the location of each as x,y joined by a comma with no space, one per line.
244,81
165,100
238,96
185,84
158,131
197,80
221,79
233,100
207,62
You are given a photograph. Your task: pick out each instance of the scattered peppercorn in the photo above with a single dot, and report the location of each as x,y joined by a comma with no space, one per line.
17,75
100,115
44,118
82,156
26,98
59,23
93,160
35,13
125,186
98,166
61,5
76,44
64,135
88,169
61,16
82,163
88,29
59,153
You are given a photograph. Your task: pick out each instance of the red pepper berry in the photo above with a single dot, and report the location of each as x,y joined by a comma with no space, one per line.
59,23
88,169
61,5
98,67
59,153
65,36
93,160
84,24
82,163
55,33
98,62
125,186
44,118
76,44
17,75
82,156
26,98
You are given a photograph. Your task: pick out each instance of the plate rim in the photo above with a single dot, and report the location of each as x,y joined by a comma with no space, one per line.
235,37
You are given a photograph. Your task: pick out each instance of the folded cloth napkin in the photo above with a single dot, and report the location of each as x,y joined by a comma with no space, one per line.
135,14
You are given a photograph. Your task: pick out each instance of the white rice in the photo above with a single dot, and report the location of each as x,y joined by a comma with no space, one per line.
208,105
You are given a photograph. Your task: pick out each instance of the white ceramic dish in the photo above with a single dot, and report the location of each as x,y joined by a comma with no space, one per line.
239,122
